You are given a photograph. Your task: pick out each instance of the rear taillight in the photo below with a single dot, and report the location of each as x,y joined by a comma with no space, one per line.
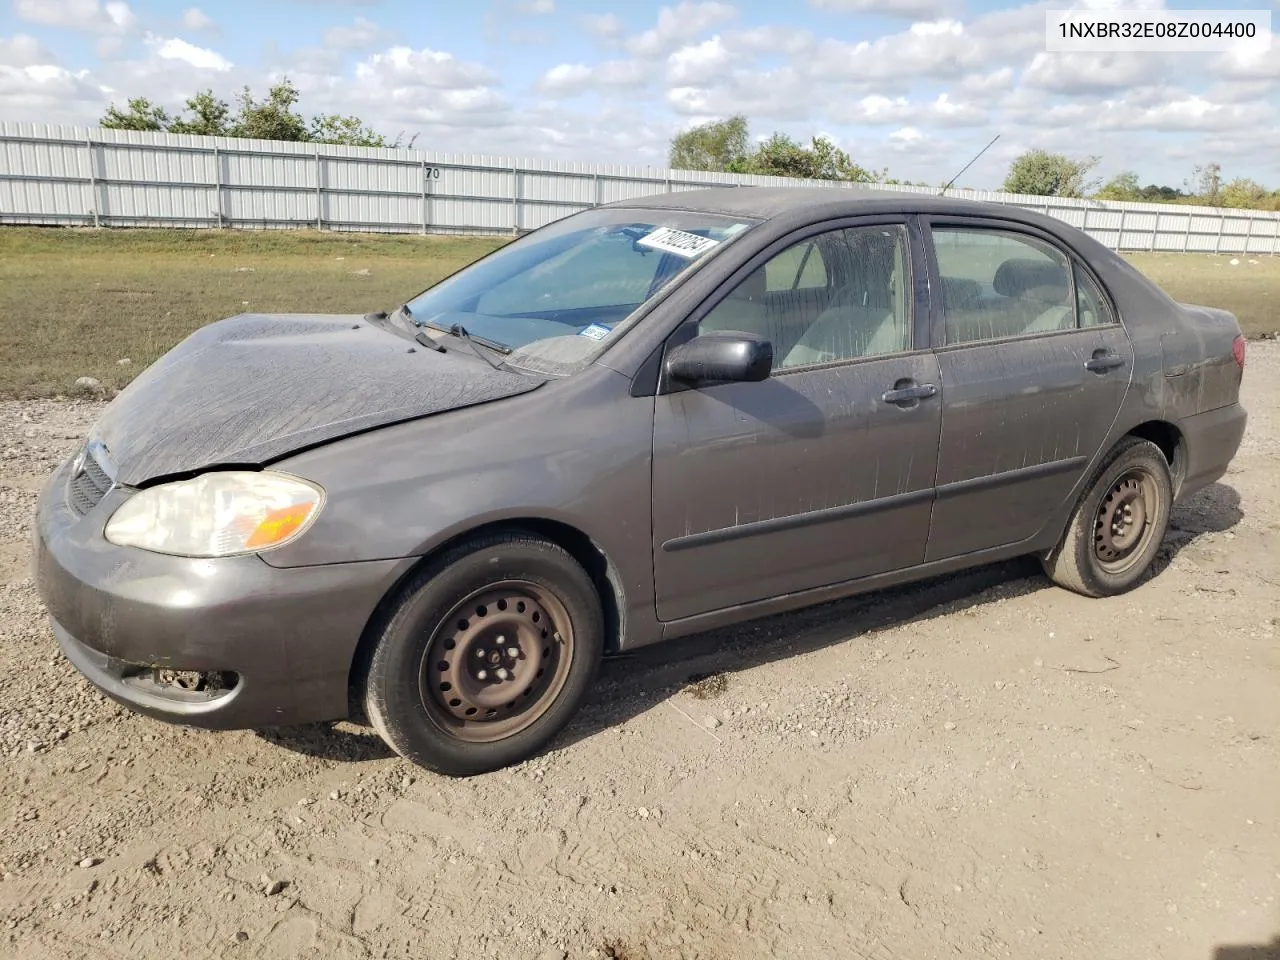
1237,350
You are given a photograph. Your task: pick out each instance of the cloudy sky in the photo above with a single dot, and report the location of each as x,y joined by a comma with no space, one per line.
917,86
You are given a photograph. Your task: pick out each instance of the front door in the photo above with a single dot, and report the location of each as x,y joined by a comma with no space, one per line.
822,473
1034,367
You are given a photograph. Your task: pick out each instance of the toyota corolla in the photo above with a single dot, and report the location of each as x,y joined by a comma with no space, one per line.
641,421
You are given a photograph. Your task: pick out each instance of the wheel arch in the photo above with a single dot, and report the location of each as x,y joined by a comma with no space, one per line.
1171,443
604,576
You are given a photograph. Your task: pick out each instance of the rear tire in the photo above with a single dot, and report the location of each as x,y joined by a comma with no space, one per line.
1118,525
485,655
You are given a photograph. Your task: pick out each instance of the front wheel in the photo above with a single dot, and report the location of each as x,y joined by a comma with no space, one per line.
485,655
1119,524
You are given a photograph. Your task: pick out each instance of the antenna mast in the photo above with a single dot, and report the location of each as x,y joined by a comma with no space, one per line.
943,191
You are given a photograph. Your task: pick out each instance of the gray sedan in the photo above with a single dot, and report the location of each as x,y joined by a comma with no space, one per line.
642,421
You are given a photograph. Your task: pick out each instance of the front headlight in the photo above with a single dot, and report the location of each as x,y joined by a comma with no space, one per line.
217,514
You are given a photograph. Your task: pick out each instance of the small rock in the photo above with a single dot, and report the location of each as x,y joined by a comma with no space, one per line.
275,887
1234,262
360,273
88,862
831,841
241,936
88,383
999,684
712,722
406,782
123,362
948,725
1038,663
642,813
335,794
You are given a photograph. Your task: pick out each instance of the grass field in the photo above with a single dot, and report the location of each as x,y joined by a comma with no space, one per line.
75,302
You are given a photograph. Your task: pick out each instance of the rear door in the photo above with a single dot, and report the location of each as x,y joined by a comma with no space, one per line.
823,472
1034,367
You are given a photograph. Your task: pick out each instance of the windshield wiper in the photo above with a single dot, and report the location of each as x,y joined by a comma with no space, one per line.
459,331
405,320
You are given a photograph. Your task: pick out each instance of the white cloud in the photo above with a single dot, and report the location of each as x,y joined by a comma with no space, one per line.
678,25
49,93
1072,73
201,58
424,68
90,15
193,18
23,50
570,79
911,9
536,8
358,34
942,111
606,26
699,63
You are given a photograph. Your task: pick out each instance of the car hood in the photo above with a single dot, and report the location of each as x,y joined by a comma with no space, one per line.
255,387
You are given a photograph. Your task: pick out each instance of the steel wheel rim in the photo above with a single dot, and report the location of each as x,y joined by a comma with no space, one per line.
497,661
1125,520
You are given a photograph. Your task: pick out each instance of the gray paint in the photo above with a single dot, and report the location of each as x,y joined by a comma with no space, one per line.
253,387
706,506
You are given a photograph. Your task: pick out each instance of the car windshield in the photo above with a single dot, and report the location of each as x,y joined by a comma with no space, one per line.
557,297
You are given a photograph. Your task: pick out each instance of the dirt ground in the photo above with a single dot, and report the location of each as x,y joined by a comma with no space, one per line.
984,766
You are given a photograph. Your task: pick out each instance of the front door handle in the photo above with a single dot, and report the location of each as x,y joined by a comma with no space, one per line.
907,393
1103,360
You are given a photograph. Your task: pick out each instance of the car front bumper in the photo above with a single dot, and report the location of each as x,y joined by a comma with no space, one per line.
281,641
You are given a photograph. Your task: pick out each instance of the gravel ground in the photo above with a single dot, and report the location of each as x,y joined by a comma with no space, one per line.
981,766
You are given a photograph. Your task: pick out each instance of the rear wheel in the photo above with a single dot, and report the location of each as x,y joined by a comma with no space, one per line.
1119,524
485,656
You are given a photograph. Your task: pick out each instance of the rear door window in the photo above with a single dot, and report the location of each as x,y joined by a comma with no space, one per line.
998,284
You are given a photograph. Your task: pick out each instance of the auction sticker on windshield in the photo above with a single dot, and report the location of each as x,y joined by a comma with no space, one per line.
682,244
595,332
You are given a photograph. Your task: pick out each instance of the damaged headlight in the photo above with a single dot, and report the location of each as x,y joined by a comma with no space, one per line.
217,514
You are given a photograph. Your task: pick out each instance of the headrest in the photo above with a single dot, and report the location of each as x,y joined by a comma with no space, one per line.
1028,279
959,293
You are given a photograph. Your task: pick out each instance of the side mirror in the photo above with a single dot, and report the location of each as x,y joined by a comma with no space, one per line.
721,356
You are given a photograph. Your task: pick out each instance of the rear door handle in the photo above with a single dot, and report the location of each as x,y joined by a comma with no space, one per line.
1102,361
907,393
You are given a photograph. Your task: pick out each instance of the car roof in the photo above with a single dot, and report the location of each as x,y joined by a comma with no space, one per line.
766,203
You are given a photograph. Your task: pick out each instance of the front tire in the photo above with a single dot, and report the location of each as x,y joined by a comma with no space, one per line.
1119,524
485,654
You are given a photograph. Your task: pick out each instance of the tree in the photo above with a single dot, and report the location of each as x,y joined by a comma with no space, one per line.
272,118
1123,186
351,132
209,116
1245,193
1044,174
781,156
141,115
1205,184
719,145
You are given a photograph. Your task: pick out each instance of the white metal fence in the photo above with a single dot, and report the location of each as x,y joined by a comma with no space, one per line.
96,177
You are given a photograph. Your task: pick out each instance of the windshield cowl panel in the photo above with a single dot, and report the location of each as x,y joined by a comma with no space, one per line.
562,295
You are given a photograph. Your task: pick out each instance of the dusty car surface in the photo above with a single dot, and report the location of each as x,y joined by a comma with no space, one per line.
642,421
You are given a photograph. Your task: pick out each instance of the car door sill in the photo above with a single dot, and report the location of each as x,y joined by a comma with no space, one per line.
778,524
846,588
